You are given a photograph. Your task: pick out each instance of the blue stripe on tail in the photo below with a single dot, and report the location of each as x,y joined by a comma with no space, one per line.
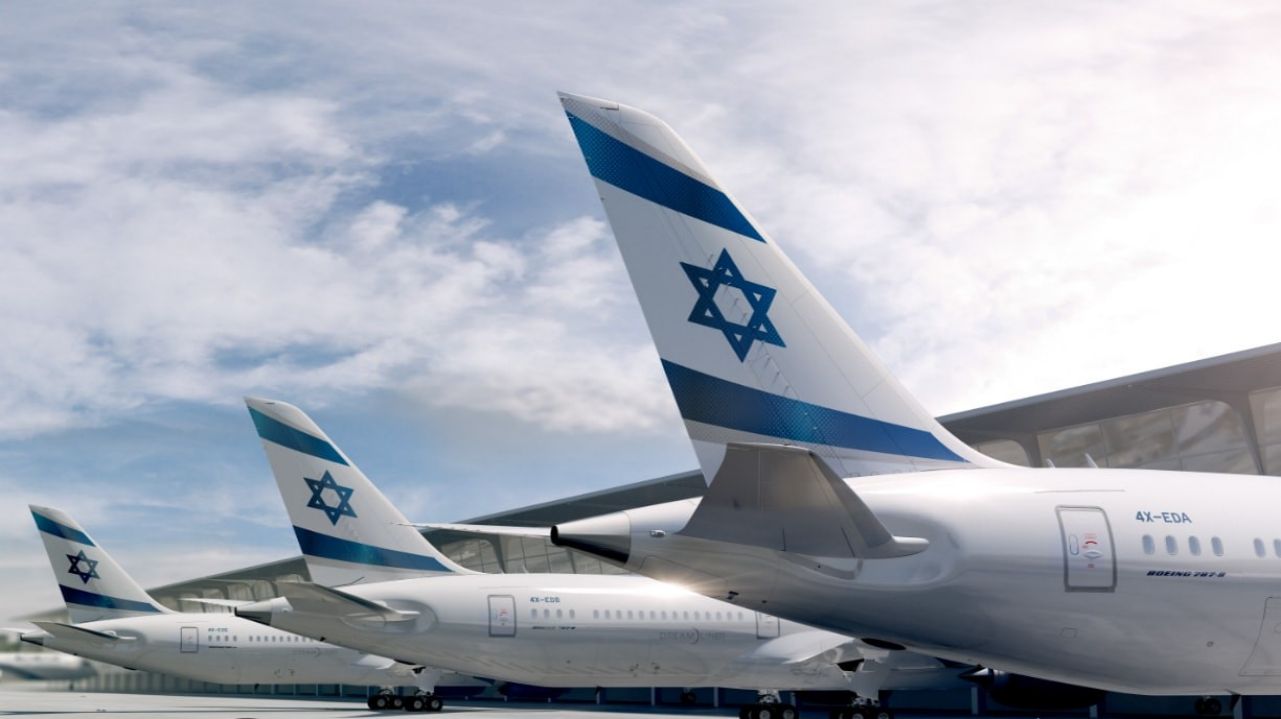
315,544
627,168
282,434
92,599
57,529
711,400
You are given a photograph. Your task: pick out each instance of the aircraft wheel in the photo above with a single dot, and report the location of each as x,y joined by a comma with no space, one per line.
881,714
785,711
395,701
375,702
435,703
766,711
416,704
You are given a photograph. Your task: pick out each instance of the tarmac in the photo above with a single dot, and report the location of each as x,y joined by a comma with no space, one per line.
102,705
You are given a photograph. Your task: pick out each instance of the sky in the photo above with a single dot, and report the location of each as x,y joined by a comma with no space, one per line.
377,211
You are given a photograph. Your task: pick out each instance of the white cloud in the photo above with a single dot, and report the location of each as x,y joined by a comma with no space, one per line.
1037,194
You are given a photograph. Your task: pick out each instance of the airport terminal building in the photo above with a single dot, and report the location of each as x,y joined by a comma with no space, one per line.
1216,415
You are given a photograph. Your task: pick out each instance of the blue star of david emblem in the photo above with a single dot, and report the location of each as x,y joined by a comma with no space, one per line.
706,312
86,571
343,508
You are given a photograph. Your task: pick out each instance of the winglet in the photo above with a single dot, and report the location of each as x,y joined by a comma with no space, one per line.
788,500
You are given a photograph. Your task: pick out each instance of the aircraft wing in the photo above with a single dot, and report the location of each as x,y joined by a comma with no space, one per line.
531,532
317,599
787,499
71,632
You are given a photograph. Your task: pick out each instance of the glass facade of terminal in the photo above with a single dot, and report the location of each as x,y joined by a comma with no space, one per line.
1201,436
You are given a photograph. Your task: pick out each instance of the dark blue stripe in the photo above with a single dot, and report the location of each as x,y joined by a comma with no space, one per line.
282,434
629,169
57,529
93,599
316,544
711,400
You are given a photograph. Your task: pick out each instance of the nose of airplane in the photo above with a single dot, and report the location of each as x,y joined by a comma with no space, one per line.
36,636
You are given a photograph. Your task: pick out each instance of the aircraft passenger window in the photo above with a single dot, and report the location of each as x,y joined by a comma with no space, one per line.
1171,545
571,614
1194,546
1149,544
1216,545
595,614
1258,548
664,615
533,614
1276,547
653,614
629,614
687,615
559,613
718,616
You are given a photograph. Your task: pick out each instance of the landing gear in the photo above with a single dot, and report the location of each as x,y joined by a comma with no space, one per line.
1208,707
862,709
424,703
768,706
385,699
864,712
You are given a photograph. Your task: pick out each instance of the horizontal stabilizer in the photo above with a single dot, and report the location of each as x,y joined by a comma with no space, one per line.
788,500
317,599
233,603
530,532
71,632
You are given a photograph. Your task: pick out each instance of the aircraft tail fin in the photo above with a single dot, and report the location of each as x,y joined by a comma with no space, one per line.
93,585
752,351
347,529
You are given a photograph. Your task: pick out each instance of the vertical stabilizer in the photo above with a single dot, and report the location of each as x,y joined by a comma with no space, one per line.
347,530
753,353
92,584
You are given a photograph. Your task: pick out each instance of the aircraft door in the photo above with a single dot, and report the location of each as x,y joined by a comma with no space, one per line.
1089,555
188,639
766,626
502,616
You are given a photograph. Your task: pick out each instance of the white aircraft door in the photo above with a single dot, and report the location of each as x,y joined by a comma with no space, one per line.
1265,660
1089,556
502,616
766,626
189,639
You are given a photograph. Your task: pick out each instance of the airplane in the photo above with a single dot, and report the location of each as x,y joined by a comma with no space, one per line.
837,501
43,666
381,587
114,620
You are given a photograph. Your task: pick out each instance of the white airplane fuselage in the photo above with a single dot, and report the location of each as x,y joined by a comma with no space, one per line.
224,649
1127,580
584,630
43,666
